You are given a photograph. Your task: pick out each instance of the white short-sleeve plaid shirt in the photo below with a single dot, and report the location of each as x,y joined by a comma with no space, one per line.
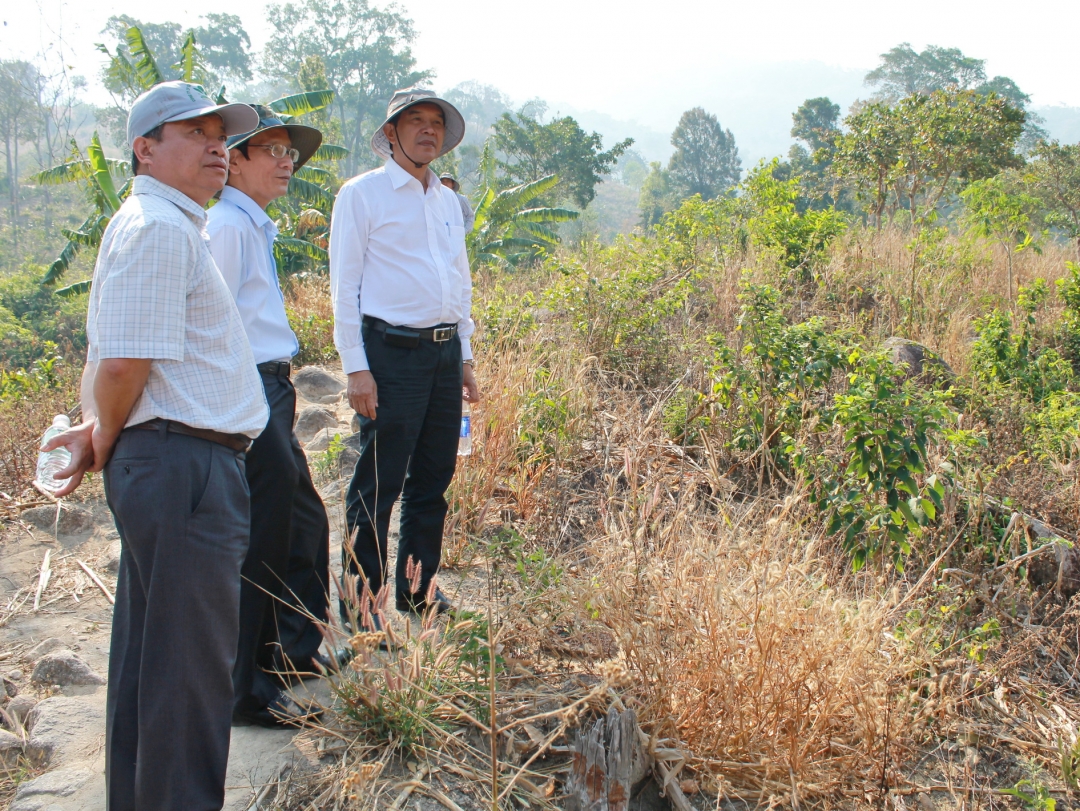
158,294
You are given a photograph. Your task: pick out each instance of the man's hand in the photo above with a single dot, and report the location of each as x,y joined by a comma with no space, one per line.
472,391
363,394
80,444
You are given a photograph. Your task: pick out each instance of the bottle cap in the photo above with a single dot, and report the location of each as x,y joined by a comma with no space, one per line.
61,421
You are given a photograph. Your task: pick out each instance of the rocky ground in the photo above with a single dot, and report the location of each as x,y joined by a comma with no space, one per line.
54,639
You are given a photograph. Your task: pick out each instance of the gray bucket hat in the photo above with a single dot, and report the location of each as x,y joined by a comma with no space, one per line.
305,140
410,96
453,181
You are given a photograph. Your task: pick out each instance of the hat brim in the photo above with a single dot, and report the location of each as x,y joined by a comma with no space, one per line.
454,133
238,118
305,140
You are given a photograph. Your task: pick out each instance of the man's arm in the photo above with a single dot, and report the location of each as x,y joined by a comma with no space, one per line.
466,327
348,242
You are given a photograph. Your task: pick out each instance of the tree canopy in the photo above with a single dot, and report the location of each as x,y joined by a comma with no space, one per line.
533,150
366,56
706,160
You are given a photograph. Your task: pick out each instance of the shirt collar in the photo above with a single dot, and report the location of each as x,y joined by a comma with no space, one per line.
399,177
144,184
250,207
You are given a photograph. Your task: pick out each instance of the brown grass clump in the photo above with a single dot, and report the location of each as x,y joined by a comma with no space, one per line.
740,650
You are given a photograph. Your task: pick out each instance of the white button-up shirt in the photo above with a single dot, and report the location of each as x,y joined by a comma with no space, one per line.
242,242
157,294
397,252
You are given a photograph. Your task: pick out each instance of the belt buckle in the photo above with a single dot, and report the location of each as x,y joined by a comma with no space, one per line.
441,334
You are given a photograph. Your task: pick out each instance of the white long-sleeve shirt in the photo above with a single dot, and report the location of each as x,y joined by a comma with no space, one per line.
242,242
397,252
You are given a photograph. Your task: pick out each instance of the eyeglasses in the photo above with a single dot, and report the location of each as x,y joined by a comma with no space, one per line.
279,151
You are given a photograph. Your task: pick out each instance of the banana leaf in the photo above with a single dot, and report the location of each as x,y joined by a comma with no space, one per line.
300,247
311,193
75,289
99,165
146,67
330,152
302,103
314,174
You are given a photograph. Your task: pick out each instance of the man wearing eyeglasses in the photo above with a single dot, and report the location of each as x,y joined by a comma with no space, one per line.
285,571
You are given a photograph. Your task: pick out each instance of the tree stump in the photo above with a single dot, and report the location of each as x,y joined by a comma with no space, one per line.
609,763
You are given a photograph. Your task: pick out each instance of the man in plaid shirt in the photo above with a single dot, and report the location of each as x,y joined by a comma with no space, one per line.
171,401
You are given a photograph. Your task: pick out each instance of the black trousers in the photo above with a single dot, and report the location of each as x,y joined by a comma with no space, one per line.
285,571
181,508
408,450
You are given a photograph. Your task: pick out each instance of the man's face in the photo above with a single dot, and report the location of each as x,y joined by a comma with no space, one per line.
260,175
447,182
419,131
191,157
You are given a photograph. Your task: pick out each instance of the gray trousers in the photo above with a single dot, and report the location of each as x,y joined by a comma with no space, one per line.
181,508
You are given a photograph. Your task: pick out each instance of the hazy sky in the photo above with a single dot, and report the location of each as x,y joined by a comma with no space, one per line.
649,61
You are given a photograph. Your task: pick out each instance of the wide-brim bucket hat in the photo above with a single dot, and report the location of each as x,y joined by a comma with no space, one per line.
453,181
410,97
305,140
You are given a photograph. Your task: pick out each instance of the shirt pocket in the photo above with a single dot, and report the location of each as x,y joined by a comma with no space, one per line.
457,239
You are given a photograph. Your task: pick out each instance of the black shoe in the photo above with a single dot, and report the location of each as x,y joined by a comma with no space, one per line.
282,711
408,603
325,663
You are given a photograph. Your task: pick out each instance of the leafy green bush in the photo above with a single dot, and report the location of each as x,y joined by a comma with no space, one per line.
1020,363
36,324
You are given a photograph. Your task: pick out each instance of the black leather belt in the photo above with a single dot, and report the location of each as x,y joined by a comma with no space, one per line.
439,334
277,368
235,442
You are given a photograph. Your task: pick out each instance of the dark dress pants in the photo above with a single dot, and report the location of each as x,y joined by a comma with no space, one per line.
285,570
181,508
408,450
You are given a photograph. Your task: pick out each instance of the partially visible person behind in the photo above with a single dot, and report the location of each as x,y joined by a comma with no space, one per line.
171,401
283,597
467,214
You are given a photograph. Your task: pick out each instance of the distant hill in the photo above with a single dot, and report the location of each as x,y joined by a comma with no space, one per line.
756,102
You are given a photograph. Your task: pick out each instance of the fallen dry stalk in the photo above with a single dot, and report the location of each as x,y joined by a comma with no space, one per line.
97,582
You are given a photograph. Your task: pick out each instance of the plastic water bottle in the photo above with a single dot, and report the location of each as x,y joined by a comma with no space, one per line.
464,445
49,463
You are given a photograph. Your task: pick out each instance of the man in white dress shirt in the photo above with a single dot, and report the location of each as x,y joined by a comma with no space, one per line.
170,403
288,556
402,294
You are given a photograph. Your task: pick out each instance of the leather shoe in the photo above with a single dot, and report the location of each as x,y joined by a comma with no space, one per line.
282,711
332,662
408,603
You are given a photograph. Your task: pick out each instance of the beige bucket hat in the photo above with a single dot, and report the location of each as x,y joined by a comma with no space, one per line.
410,96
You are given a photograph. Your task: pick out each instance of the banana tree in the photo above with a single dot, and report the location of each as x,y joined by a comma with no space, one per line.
311,191
507,233
95,171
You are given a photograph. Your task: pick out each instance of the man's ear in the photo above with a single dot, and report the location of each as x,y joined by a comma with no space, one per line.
390,131
144,150
234,161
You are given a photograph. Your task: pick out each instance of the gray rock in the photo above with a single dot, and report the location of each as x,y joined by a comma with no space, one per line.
922,363
315,383
38,794
11,689
321,441
112,558
45,646
312,420
64,667
19,708
58,730
347,461
11,747
70,520
15,675
354,425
